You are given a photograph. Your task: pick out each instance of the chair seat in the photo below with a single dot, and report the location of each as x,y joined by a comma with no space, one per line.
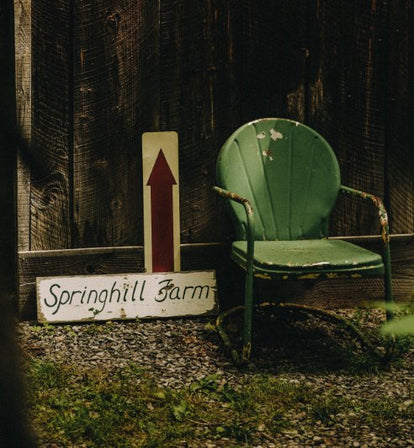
302,259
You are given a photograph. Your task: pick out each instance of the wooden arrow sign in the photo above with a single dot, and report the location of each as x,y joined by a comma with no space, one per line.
161,201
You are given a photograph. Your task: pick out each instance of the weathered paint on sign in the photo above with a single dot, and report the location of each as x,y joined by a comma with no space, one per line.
125,296
161,201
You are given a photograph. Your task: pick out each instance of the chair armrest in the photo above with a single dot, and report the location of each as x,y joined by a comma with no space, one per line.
249,215
382,212
235,197
385,233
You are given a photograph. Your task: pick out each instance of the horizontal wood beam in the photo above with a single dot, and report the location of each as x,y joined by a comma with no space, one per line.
129,259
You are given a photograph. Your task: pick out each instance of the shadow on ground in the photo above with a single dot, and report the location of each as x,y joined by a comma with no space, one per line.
290,343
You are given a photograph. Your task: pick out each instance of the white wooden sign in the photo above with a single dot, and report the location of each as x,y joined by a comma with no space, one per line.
127,296
161,201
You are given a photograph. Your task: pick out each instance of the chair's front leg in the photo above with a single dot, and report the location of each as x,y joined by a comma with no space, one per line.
248,306
248,295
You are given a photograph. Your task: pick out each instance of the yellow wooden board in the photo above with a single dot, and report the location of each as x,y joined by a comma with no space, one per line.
152,144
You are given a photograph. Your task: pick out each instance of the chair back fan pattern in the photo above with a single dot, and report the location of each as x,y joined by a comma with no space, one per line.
287,171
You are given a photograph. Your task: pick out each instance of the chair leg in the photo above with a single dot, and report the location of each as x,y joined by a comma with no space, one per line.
389,300
248,316
222,332
247,309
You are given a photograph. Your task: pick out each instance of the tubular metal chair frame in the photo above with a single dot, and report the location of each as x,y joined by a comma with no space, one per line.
251,272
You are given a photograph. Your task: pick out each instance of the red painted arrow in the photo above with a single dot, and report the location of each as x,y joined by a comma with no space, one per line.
161,181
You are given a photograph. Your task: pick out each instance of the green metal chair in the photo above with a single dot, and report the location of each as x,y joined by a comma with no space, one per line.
281,180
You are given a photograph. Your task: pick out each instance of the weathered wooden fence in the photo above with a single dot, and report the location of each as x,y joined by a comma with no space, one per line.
93,75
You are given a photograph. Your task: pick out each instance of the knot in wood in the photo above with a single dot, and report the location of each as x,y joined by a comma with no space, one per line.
112,23
116,204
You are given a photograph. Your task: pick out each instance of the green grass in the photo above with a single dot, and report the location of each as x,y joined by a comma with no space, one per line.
78,407
126,408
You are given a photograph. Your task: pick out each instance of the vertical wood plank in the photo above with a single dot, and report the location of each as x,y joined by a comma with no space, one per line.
115,65
225,57
400,117
348,95
227,100
23,75
272,55
50,217
196,66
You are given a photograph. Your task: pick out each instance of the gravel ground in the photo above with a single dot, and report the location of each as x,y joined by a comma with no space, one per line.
180,351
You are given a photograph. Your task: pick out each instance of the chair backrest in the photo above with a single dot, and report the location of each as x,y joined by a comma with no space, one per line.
287,171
